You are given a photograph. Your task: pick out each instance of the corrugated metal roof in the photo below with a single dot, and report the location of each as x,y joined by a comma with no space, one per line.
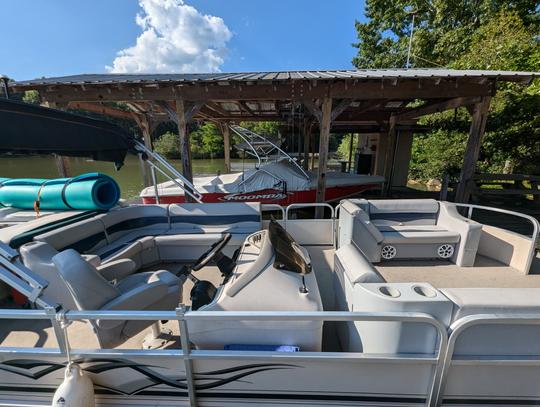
363,74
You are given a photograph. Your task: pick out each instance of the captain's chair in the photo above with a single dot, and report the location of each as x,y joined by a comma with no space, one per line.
155,290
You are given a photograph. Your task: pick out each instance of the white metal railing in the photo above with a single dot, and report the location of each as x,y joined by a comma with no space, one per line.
168,171
465,323
260,145
18,276
532,220
441,358
292,207
311,231
61,319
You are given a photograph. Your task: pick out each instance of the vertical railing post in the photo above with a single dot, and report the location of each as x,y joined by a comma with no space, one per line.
154,182
58,329
186,351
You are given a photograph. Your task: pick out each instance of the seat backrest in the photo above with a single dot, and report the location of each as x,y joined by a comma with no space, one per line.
85,236
235,217
37,256
404,211
350,262
147,219
89,289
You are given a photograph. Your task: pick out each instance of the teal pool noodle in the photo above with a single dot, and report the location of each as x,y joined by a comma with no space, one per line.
92,191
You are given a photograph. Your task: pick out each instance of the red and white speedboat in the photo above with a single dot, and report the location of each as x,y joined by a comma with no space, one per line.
282,182
279,182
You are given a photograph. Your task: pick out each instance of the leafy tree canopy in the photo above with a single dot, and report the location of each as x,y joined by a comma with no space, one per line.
481,34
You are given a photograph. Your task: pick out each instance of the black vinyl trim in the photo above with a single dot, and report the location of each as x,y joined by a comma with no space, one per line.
403,216
215,219
27,236
137,223
88,243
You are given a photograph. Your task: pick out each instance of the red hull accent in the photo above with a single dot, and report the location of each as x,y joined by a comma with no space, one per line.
270,196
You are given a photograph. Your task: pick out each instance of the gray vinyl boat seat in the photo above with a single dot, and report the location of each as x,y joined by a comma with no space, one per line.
409,229
38,257
360,287
158,290
150,234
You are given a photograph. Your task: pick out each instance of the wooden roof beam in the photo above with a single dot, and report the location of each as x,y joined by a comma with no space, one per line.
404,90
243,105
340,108
100,109
189,109
217,108
436,107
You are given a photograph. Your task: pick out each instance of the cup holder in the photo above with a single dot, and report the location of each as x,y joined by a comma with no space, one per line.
425,291
389,291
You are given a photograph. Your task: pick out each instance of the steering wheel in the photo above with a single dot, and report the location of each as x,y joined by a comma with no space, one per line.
212,252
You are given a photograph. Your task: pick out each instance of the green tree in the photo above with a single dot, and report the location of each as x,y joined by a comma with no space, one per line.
266,129
31,96
168,145
481,34
209,142
206,142
344,147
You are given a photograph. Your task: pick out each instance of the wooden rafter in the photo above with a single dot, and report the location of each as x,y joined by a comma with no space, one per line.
340,108
244,106
218,109
436,107
99,108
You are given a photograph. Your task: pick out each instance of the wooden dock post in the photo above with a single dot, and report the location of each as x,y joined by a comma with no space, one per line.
325,123
62,163
307,130
351,145
183,134
479,113
144,124
226,146
390,155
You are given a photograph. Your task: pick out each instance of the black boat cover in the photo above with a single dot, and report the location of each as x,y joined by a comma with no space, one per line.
31,129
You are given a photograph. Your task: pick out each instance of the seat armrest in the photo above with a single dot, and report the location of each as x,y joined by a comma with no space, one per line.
366,237
93,259
117,269
469,232
139,298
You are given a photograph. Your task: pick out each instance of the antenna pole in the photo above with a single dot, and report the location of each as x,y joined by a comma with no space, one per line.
410,42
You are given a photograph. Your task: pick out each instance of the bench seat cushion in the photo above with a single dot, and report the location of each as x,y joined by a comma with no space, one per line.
85,236
411,228
420,237
404,211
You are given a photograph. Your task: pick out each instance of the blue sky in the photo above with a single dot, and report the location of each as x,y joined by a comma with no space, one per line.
62,37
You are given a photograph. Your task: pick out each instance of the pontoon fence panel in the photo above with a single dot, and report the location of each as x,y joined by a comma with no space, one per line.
311,231
508,247
418,386
515,375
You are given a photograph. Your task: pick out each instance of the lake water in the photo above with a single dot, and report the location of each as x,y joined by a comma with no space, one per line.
128,177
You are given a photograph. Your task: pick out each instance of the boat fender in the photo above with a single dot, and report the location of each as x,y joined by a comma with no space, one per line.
77,389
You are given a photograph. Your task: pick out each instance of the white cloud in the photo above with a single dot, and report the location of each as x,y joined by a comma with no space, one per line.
176,37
